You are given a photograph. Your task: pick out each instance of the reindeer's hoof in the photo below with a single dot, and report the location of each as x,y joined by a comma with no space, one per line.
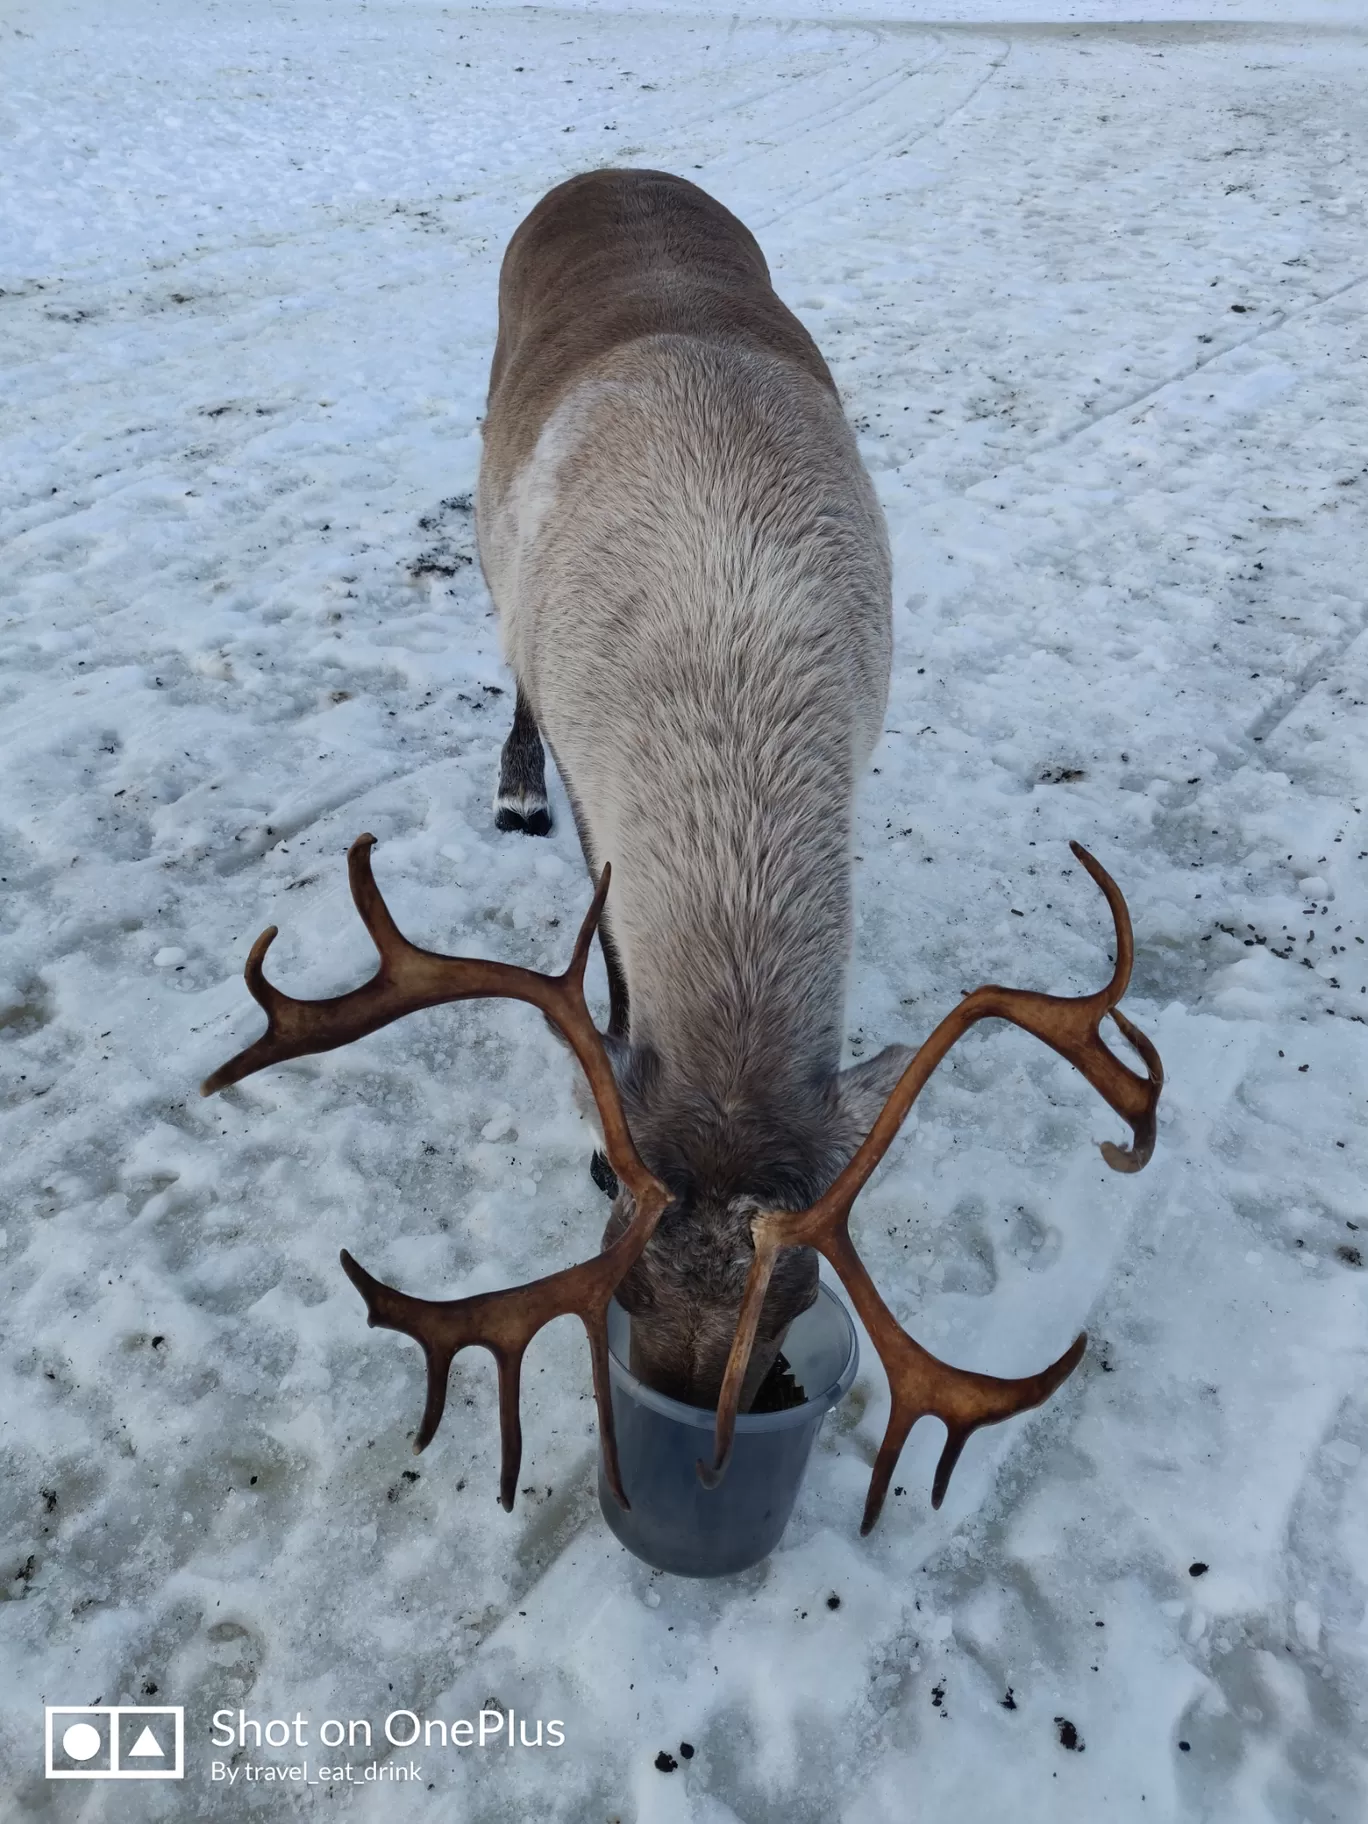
529,815
603,1175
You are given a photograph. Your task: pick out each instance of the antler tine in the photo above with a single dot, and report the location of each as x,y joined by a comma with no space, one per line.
566,1005
406,979
1068,1025
1121,918
504,1322
390,1309
1000,1399
738,1360
443,1328
920,1384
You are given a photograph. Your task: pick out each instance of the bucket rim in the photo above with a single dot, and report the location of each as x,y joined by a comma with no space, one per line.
704,1418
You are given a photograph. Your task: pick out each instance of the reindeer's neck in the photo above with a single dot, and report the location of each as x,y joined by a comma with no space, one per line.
735,942
704,634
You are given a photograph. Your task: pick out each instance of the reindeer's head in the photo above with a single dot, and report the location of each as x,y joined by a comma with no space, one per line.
769,1273
725,1157
685,1291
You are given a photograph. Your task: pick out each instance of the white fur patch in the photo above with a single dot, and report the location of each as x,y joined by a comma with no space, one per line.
522,804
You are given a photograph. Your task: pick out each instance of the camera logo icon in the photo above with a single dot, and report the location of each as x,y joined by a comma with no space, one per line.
115,1742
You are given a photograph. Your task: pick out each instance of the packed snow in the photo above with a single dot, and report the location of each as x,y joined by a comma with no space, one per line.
1093,293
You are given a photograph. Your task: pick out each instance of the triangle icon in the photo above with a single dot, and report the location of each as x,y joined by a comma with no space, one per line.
147,1744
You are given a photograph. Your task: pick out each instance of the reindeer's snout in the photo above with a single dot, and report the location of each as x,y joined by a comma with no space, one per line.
684,1298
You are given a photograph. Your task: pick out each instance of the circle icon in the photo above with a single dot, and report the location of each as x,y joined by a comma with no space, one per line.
82,1742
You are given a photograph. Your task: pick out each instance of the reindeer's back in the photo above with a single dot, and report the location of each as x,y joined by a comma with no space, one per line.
692,575
608,257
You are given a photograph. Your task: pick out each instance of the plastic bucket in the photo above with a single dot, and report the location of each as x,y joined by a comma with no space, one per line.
676,1524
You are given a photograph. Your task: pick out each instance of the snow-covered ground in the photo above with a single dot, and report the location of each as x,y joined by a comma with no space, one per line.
1094,296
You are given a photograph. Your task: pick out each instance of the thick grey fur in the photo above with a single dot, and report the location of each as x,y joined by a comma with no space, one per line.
693,583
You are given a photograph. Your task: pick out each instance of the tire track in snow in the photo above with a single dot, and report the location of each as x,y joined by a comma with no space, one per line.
1316,671
330,216
108,297
864,96
873,91
890,146
1313,674
107,300
1148,394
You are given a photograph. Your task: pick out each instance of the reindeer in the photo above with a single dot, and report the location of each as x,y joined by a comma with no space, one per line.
692,577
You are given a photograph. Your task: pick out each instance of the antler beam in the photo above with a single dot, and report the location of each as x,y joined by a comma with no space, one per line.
406,979
920,1384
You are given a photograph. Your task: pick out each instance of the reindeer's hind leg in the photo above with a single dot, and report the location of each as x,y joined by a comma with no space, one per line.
520,802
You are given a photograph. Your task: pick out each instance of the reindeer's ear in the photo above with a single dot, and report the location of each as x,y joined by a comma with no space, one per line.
862,1091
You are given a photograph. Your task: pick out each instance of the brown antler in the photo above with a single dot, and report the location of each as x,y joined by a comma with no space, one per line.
502,1322
920,1384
